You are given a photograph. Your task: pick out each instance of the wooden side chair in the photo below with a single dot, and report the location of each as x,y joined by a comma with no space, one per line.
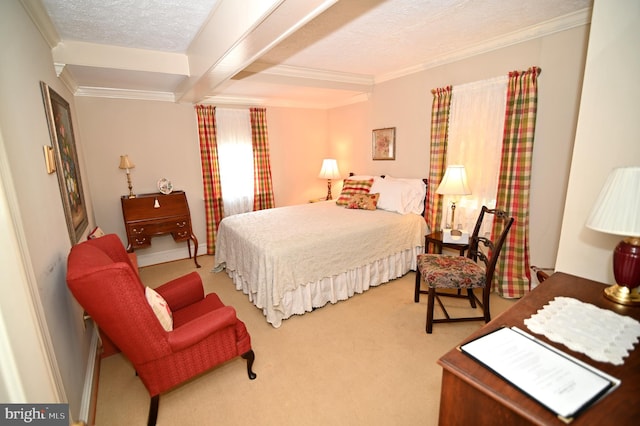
459,273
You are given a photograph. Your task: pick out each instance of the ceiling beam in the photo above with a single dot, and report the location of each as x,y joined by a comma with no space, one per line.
296,76
124,58
220,51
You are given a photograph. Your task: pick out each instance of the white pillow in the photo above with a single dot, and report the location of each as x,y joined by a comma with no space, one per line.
160,308
416,183
416,202
398,195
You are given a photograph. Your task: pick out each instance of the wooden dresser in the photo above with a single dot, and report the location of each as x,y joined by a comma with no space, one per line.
148,215
473,395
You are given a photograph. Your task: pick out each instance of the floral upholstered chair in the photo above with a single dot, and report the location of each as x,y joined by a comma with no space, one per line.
463,274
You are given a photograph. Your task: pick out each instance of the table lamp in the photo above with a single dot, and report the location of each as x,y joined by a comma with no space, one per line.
617,212
454,182
329,171
126,164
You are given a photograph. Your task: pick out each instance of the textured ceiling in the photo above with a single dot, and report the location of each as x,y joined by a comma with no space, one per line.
165,25
377,37
333,57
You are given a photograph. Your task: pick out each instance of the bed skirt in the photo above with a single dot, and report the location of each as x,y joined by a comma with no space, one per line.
306,297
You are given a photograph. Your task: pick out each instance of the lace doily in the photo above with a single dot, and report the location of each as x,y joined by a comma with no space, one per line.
601,334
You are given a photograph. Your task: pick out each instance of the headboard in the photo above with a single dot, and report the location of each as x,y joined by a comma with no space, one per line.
425,180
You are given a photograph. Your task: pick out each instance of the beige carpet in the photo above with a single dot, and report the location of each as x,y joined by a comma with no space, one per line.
364,361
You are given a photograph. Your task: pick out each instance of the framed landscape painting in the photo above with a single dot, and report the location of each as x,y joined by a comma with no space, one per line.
384,144
66,158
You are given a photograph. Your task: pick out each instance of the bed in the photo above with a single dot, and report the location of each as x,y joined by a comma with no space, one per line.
291,260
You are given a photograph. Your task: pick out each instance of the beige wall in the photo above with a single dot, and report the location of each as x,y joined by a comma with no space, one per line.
162,141
405,103
297,144
161,138
53,320
607,135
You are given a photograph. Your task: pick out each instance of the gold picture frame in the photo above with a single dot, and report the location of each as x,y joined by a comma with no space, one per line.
384,144
66,161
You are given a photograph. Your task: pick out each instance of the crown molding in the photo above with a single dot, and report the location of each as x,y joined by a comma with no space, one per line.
144,95
562,23
310,74
41,20
282,103
62,72
249,102
233,100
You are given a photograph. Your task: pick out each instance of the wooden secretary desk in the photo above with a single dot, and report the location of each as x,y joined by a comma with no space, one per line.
148,215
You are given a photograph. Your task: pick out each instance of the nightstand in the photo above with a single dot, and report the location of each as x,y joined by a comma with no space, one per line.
435,238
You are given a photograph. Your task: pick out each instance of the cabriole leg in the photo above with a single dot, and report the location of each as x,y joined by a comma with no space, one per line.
250,357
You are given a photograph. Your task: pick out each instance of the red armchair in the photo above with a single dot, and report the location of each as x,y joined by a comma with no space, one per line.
205,332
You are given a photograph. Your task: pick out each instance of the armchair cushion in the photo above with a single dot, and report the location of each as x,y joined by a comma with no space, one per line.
160,308
200,327
182,291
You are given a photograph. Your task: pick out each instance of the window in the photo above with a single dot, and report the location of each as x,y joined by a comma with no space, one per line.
476,126
235,157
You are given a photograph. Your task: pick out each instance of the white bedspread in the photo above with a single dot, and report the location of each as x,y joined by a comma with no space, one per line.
272,253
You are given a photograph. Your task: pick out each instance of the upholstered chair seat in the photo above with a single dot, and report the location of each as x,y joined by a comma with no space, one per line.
455,272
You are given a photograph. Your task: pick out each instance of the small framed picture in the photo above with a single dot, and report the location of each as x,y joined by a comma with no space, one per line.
384,144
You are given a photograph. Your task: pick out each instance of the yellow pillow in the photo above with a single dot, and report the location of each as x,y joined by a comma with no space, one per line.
160,308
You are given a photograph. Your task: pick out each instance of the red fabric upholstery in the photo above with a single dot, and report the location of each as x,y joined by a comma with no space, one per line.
206,333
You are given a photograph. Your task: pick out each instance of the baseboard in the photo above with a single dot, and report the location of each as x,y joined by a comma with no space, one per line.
90,391
167,255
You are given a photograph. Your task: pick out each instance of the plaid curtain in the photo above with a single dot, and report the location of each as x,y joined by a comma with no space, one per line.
512,271
437,156
263,189
210,172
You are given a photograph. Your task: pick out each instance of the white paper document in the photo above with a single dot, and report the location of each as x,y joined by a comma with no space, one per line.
563,384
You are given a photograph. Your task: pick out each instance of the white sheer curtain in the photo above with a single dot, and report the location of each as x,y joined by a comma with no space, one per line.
235,157
476,124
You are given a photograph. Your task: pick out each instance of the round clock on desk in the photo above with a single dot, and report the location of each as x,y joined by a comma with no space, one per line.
165,186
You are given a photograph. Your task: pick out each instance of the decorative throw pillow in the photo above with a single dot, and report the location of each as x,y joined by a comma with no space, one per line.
160,308
352,187
363,201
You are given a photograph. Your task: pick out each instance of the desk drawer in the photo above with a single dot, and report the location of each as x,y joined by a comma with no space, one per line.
140,233
138,236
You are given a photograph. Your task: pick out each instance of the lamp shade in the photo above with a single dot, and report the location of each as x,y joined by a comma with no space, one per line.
329,169
617,208
454,182
125,163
